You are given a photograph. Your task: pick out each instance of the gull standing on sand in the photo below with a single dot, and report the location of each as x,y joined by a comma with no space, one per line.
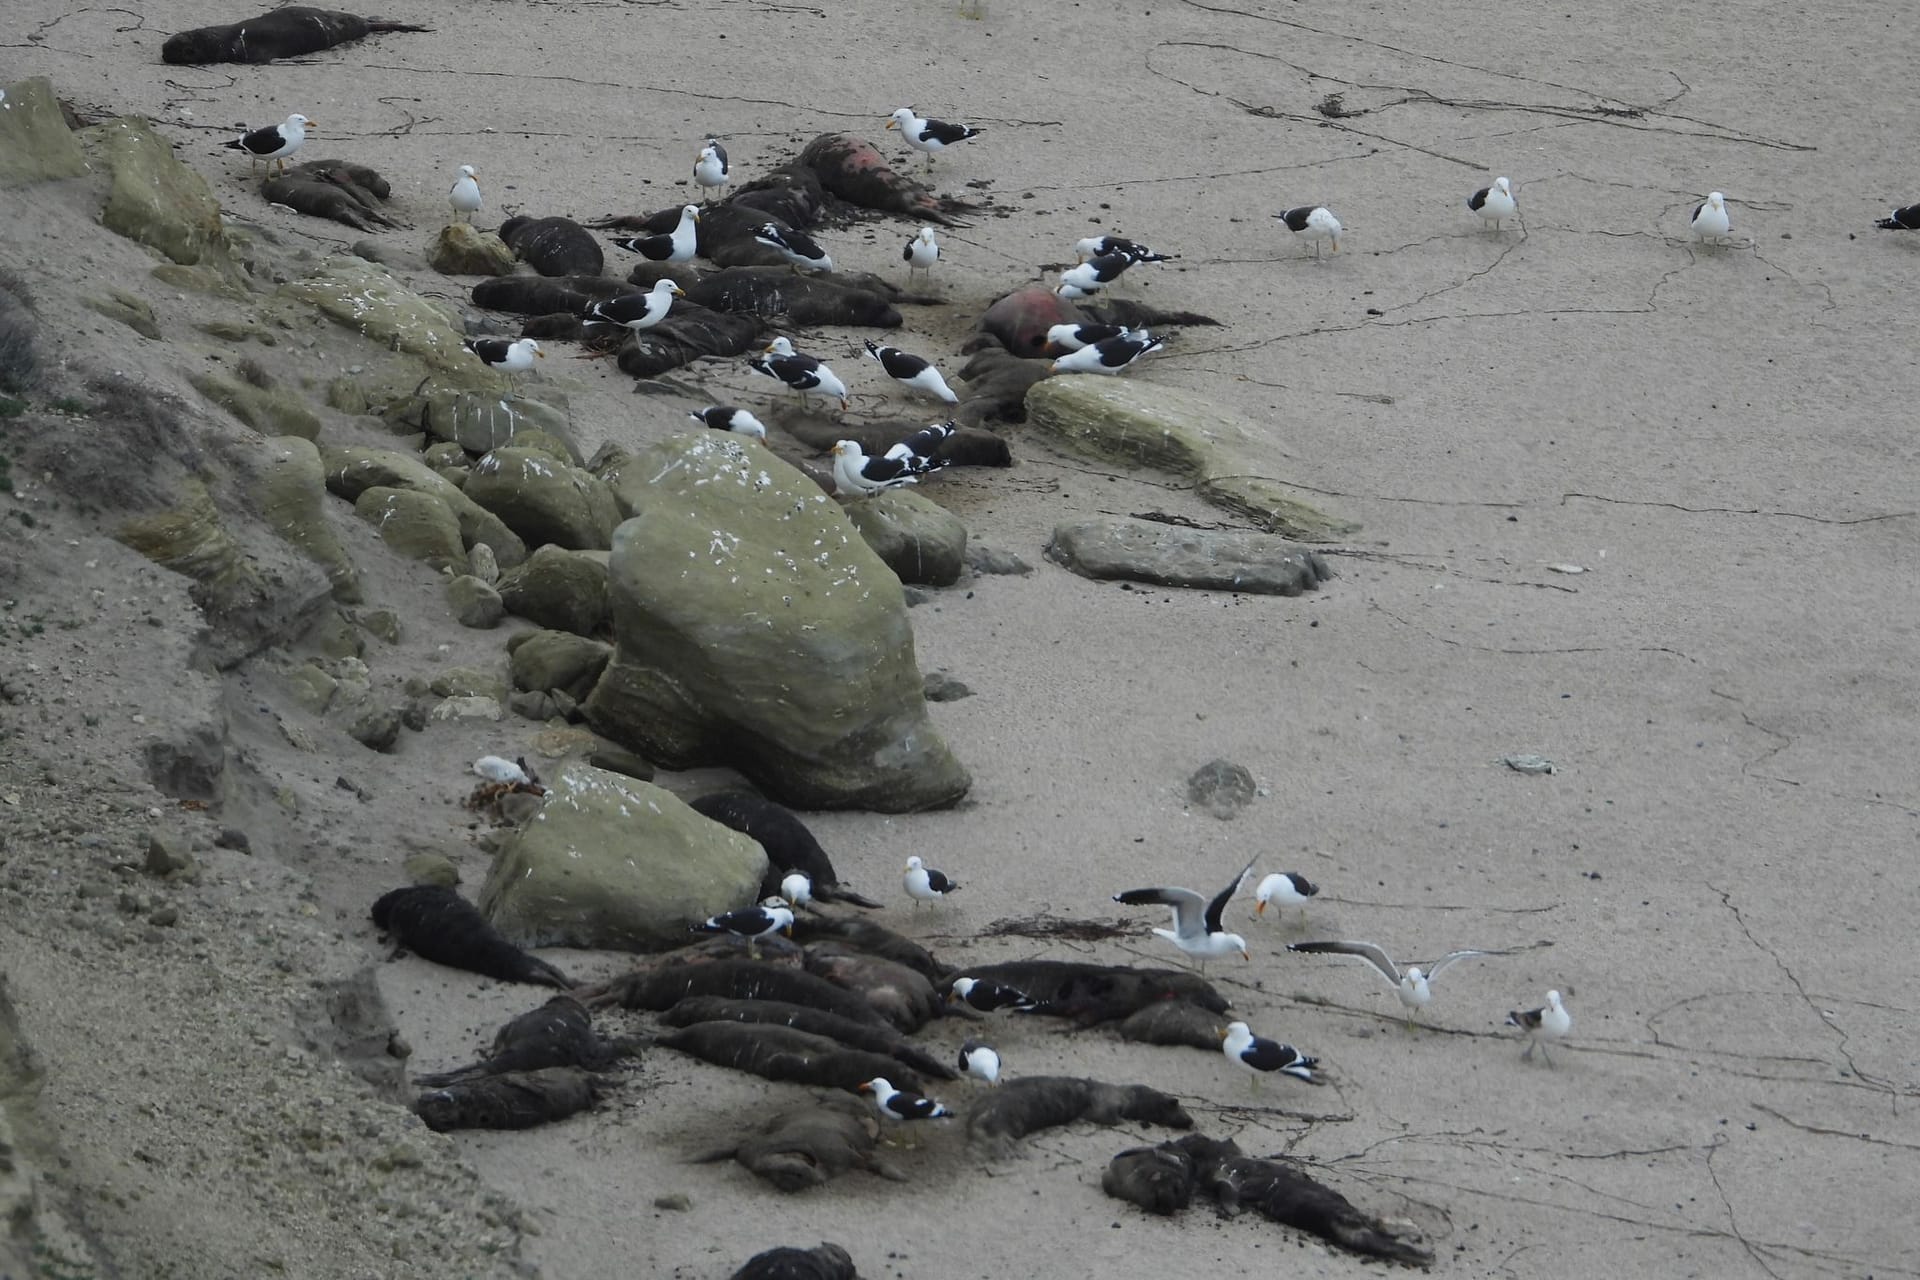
710,167
506,357
724,417
1710,221
912,372
980,1062
921,253
636,311
1257,1055
672,247
1197,929
1495,204
275,142
465,195
800,373
923,883
929,137
1285,888
1413,986
898,1104
1551,1022
1312,222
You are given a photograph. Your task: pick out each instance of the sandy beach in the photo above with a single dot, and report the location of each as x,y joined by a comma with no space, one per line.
1638,505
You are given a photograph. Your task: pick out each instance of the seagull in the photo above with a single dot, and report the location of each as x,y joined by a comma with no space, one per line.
796,246
501,769
1495,203
857,475
637,311
1071,337
1412,986
1541,1025
1257,1055
1287,888
506,357
929,137
1196,922
921,253
724,417
986,995
276,141
465,195
751,923
675,246
917,450
1093,275
1110,356
801,373
1710,220
1905,219
1313,222
796,888
710,167
898,1104
980,1062
1100,246
912,372
924,884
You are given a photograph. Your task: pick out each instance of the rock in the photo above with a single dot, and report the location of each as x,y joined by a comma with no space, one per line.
482,564
233,838
1176,556
796,669
1221,787
462,249
474,603
467,682
129,309
291,493
1226,456
559,589
35,143
673,1202
443,454
336,636
378,728
312,688
938,686
481,423
416,525
535,705
545,501
920,540
367,298
167,855
431,868
384,623
351,471
620,760
164,917
471,708
268,410
613,862
190,761
544,660
152,198
987,560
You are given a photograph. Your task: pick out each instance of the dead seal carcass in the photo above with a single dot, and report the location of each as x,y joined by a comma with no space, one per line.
438,924
284,33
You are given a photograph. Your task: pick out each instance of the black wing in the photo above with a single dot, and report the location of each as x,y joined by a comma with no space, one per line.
1696,212
720,152
1296,219
1219,903
937,881
898,364
948,134
624,309
795,370
1904,219
923,442
1108,266
263,142
656,248
1478,199
491,350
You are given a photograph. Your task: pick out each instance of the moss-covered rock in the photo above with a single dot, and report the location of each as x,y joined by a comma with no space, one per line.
354,469
416,525
35,143
462,249
152,198
543,500
292,492
272,411
920,540
560,589
546,660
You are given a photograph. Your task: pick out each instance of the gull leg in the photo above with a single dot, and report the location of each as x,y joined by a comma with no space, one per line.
1546,1055
1528,1055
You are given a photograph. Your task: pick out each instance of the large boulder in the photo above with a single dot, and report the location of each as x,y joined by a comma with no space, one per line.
1226,456
544,501
755,628
357,468
560,589
613,862
416,525
543,660
35,143
1177,556
369,299
920,540
292,493
462,249
152,198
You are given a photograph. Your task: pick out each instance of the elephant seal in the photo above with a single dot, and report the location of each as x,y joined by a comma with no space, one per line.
660,989
558,1034
789,845
854,1035
813,1143
336,189
438,924
781,1053
516,1100
826,1261
779,293
284,33
1091,994
543,295
874,939
686,335
903,995
1032,1103
1175,1022
853,169
554,246
1158,1179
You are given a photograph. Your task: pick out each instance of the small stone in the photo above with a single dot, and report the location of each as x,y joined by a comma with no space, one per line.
384,623
938,686
377,729
469,708
233,838
414,715
481,562
474,602
432,868
1221,787
676,1202
917,595
167,855
991,560
311,687
533,704
1533,764
165,917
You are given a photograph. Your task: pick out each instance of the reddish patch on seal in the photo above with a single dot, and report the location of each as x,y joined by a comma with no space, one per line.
1021,319
853,169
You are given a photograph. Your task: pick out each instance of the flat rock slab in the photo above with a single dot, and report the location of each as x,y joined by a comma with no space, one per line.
1176,556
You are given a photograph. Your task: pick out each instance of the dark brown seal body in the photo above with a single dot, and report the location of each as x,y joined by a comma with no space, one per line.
554,246
781,1053
541,295
438,924
1158,1179
815,1142
335,189
854,1035
779,293
283,33
558,1034
1032,1103
853,169
828,1261
789,845
660,989
903,995
1091,993
517,1100
1176,1022
688,333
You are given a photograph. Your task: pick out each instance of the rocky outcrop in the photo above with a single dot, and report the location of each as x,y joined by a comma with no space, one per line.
416,525
545,660
268,410
613,862
544,501
35,143
152,198
920,540
1171,555
353,470
559,589
366,298
292,492
462,249
755,628
1223,454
